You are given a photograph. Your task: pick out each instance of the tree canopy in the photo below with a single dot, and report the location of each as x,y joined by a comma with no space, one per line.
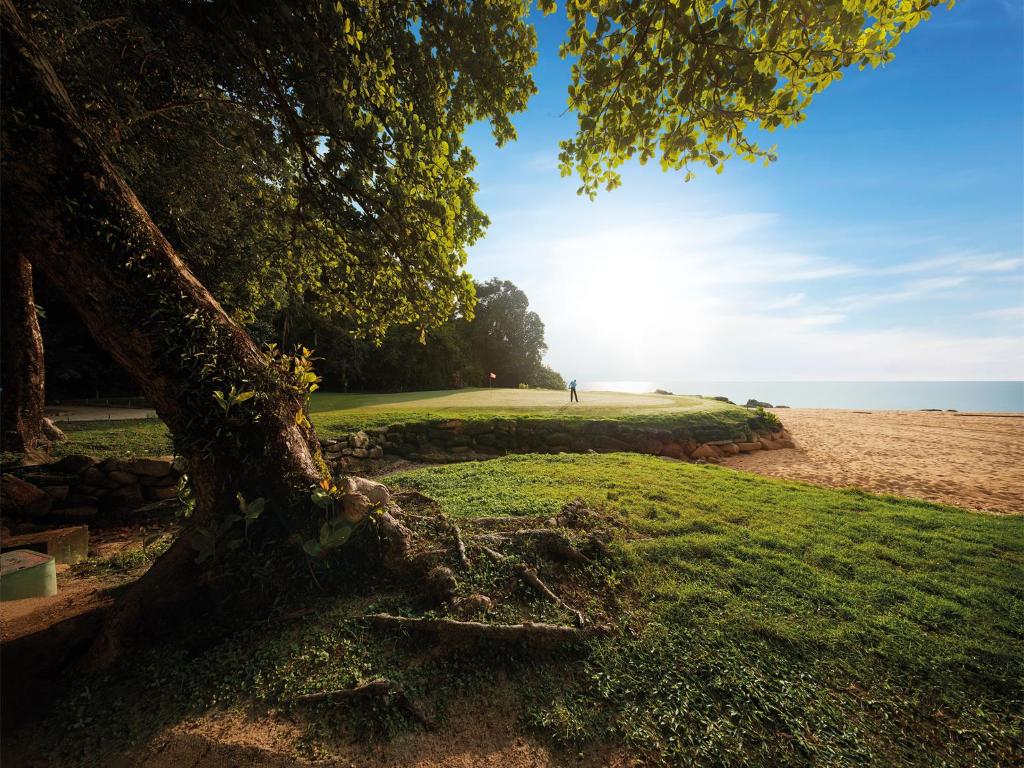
303,152
503,337
688,81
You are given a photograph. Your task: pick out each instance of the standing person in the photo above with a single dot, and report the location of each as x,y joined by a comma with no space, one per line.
572,391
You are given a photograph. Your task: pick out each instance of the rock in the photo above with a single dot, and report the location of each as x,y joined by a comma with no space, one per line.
159,493
160,482
752,403
52,432
729,449
45,478
605,443
673,451
558,439
440,584
79,498
122,478
355,507
57,492
648,445
92,491
125,497
360,453
149,467
81,512
472,605
359,440
706,451
74,464
376,492
95,477
376,452
773,444
22,499
754,445
451,424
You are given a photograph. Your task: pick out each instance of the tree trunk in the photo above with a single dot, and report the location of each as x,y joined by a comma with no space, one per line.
67,206
21,372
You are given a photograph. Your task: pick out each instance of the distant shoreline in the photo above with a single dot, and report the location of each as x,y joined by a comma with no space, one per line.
963,396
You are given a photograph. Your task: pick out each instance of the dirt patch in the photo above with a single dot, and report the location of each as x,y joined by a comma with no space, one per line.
969,460
481,731
78,590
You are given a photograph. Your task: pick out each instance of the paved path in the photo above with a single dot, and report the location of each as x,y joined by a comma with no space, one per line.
65,413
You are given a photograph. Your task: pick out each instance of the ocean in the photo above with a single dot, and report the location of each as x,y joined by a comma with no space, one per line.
977,396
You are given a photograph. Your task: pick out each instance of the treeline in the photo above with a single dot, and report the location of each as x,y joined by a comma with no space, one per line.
503,337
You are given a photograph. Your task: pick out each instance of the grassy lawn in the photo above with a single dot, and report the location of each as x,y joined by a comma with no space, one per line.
336,413
759,622
776,622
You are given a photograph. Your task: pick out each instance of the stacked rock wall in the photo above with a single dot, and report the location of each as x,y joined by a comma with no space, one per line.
458,440
80,488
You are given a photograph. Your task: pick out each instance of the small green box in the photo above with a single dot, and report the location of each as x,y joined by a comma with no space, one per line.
24,573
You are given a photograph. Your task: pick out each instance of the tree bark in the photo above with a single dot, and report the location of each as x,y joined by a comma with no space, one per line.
22,382
66,205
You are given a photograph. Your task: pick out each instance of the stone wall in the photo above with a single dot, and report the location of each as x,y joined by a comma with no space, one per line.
80,488
458,440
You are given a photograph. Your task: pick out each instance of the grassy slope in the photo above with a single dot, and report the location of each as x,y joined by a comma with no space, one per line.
336,413
763,623
776,621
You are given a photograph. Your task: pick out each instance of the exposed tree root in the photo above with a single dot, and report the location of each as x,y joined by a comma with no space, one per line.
494,555
167,585
515,521
530,577
535,635
396,541
460,545
381,687
552,543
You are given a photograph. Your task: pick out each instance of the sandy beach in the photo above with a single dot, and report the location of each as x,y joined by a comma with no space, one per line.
969,460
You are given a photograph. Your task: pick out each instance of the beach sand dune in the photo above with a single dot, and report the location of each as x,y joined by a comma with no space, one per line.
969,460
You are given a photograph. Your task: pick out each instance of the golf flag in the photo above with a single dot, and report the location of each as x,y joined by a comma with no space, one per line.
493,375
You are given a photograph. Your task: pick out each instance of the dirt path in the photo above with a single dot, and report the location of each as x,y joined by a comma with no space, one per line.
969,460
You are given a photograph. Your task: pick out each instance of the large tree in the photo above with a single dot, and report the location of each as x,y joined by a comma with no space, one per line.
293,159
377,120
21,347
507,337
366,104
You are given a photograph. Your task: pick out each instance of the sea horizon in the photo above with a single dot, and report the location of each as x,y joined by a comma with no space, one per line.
972,396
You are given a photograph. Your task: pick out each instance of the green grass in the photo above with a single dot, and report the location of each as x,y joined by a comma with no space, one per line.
128,437
780,623
336,413
761,622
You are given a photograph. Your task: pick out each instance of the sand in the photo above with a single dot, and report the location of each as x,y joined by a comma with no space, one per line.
969,460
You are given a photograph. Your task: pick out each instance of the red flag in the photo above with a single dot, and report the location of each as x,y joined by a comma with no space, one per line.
493,375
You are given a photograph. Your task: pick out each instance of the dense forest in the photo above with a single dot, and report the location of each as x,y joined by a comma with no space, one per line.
502,336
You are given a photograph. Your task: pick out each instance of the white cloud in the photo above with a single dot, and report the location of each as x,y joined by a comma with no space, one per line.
1004,313
725,297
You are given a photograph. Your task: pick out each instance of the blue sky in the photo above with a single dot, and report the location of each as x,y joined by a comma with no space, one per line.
886,243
